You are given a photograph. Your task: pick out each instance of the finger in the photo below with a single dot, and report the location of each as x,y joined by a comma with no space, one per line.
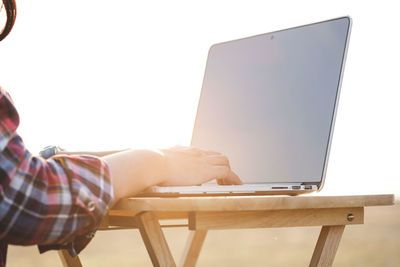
221,181
230,179
192,151
217,160
225,176
204,151
233,179
210,152
219,172
197,152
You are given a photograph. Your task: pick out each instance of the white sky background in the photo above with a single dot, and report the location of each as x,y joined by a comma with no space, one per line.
95,75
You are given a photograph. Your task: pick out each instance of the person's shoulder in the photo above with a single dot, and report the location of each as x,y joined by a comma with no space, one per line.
4,93
9,118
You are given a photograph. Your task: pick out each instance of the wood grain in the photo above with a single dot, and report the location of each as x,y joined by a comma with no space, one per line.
67,260
233,212
193,247
243,203
128,213
154,240
327,245
274,218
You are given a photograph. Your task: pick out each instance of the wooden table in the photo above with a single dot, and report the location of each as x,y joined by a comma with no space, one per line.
331,212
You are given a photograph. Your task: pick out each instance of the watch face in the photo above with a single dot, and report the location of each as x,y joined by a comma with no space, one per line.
49,151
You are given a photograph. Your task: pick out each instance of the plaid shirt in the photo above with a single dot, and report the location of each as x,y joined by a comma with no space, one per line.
56,203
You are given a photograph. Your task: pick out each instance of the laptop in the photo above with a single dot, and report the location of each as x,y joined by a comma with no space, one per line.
268,103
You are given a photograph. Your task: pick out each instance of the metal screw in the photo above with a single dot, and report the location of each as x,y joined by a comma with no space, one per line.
350,217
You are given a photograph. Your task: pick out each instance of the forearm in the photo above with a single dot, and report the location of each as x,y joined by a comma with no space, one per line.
132,171
92,153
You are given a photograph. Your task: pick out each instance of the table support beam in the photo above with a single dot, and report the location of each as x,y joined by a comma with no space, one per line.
193,247
67,260
204,220
327,245
154,240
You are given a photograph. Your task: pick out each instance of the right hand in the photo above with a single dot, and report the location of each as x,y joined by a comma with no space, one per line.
194,166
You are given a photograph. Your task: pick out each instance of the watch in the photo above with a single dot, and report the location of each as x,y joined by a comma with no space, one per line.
49,151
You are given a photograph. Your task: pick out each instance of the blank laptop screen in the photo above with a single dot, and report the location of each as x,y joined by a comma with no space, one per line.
268,101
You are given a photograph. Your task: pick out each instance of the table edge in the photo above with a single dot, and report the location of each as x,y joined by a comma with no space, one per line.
252,202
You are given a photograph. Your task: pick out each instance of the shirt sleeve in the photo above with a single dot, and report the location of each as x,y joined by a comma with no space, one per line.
56,201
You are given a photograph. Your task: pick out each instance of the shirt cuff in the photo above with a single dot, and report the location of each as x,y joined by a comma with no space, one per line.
74,247
92,192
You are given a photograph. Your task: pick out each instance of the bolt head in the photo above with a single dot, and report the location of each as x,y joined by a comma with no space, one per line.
350,217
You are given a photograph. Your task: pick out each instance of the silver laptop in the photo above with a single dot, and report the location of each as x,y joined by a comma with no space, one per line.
268,103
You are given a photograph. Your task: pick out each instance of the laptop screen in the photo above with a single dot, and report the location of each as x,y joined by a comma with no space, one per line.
268,101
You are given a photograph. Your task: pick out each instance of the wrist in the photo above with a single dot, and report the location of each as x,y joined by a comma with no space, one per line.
159,172
165,173
133,171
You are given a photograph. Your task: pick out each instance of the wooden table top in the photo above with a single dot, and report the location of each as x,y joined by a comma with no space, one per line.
243,203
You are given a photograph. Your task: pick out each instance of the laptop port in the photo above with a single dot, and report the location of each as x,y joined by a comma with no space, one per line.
308,187
296,187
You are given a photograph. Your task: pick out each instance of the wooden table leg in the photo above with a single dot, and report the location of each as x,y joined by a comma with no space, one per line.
67,260
192,249
154,240
327,245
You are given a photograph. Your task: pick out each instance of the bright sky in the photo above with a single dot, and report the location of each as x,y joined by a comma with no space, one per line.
95,75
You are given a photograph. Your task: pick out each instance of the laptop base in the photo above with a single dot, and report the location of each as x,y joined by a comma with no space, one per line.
228,190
